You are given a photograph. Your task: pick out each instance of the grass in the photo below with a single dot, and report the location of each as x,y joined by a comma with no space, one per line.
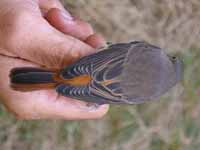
171,123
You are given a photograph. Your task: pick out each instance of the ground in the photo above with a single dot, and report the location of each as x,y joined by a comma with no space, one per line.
171,123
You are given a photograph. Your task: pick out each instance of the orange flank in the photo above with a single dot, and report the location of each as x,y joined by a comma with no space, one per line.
76,81
105,83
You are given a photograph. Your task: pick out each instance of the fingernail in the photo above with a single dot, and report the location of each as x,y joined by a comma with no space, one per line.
67,15
96,107
92,105
104,106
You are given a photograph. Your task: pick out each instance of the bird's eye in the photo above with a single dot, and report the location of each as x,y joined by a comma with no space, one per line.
174,57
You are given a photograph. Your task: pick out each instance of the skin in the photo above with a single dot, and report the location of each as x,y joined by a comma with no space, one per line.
41,33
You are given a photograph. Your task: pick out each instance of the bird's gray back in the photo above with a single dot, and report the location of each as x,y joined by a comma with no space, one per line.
147,73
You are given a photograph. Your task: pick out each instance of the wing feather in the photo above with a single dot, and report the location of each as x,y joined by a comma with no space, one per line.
105,68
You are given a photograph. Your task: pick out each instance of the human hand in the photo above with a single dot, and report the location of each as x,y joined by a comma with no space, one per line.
42,34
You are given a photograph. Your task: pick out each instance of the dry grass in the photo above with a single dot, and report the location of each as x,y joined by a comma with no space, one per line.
169,124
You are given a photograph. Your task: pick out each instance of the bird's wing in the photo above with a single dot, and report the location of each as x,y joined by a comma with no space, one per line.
105,84
87,64
104,67
106,74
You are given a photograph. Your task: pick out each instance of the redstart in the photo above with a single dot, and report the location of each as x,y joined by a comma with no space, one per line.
123,73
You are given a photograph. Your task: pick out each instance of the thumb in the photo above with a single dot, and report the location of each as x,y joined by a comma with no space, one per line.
39,42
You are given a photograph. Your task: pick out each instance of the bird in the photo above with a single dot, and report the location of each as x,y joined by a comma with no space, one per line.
122,73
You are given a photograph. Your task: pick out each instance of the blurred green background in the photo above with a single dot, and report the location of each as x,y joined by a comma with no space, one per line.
173,123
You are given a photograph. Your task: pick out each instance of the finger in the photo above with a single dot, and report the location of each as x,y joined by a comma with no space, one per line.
46,46
69,25
56,51
96,41
46,5
29,36
44,104
71,109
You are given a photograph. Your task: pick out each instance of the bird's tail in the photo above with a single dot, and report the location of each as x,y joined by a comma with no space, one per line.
29,79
